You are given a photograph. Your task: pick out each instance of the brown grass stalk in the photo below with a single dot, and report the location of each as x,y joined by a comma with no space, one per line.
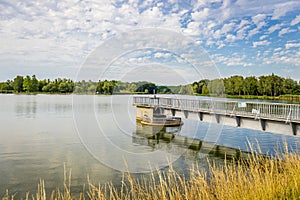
258,177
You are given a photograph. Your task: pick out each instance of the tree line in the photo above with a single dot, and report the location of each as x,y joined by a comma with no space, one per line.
271,85
30,84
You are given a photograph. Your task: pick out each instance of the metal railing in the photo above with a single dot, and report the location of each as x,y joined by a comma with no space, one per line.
288,112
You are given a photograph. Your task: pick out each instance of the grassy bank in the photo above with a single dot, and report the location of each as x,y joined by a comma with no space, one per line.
256,178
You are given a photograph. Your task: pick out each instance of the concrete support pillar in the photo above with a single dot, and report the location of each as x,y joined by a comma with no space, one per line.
263,124
294,128
173,111
217,118
186,114
238,121
200,114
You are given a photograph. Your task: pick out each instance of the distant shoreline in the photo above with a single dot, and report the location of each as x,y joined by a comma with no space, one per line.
271,87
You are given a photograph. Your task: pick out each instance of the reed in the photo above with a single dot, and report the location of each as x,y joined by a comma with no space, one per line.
258,177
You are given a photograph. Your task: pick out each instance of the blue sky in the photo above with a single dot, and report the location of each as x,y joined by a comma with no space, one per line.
54,38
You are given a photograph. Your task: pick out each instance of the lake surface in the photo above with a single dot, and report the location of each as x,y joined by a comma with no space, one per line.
97,136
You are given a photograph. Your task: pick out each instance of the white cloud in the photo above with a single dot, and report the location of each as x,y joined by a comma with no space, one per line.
253,32
282,8
227,28
210,42
201,15
241,33
292,45
285,31
274,28
234,60
220,44
193,29
277,49
243,23
258,18
259,22
295,21
162,55
284,58
260,43
230,38
263,37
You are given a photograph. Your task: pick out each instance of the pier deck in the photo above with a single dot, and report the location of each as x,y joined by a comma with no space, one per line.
272,117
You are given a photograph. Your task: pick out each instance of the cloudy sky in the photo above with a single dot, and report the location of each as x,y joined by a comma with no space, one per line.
52,38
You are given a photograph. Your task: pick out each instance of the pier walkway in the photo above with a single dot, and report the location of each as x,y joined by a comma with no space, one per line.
272,117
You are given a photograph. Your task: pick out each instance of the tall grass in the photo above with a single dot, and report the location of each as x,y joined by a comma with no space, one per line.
258,177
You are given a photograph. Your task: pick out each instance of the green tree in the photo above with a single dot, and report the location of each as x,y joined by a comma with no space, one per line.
195,87
108,87
131,87
18,83
150,87
42,83
198,86
163,90
26,83
234,85
263,86
229,86
216,87
289,86
30,84
274,85
238,84
63,87
250,85
6,86
51,87
34,84
99,88
92,88
205,90
186,89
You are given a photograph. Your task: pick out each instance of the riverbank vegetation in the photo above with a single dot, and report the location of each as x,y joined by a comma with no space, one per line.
263,87
258,177
271,85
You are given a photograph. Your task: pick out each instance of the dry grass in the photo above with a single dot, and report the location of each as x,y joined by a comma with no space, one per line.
257,178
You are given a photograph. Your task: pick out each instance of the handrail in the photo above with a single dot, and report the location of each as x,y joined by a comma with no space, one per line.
288,112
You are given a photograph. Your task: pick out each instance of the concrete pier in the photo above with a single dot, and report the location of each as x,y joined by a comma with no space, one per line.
270,117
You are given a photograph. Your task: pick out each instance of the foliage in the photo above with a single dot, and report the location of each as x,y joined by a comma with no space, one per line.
7,86
57,86
186,89
216,87
271,85
18,84
30,84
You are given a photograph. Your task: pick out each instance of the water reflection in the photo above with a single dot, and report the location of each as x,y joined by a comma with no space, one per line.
169,139
36,105
26,109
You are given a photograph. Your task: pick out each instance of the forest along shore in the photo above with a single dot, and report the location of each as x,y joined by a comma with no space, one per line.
271,87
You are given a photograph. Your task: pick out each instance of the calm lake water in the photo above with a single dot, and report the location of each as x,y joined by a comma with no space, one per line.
97,136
